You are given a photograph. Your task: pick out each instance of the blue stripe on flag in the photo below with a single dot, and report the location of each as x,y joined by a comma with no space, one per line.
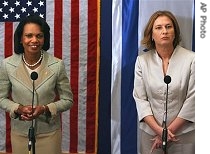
129,53
104,124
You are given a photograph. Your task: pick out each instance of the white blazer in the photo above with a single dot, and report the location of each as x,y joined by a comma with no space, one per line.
150,89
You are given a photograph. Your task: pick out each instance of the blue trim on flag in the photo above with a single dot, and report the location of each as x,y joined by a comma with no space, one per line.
104,118
129,53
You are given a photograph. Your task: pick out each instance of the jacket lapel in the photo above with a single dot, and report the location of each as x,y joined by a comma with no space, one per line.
21,74
44,73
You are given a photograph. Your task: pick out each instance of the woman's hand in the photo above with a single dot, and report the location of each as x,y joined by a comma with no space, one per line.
171,137
157,143
26,112
40,109
158,140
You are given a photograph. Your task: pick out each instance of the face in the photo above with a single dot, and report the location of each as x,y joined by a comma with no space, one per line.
32,38
163,31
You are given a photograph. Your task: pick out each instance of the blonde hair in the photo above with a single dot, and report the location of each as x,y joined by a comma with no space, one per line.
147,40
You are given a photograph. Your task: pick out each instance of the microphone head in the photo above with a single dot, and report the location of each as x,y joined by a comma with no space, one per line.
167,79
34,75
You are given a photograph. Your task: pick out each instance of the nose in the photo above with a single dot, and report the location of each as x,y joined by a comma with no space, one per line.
34,39
165,30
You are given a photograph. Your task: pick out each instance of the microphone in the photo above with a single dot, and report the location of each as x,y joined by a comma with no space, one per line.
31,134
34,75
167,80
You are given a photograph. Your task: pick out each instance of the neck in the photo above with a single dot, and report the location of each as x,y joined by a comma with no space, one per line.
165,52
33,62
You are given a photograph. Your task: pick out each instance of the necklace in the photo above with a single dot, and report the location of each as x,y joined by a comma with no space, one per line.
32,65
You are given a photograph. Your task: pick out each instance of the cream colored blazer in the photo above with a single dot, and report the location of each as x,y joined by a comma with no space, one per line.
52,77
150,90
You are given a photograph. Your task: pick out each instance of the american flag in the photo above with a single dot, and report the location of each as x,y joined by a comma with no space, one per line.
74,38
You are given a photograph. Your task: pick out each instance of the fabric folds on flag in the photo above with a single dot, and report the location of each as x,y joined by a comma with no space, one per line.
103,120
122,25
74,38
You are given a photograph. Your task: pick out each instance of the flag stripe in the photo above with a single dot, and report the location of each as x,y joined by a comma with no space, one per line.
8,52
74,73
2,42
50,20
104,119
58,18
129,54
83,58
66,56
97,73
91,76
116,76
8,140
8,39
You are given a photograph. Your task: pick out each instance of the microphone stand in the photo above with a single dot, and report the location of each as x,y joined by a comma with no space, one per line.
165,130
31,132
167,80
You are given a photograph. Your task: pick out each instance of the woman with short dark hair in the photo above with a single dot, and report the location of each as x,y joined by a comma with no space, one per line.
32,73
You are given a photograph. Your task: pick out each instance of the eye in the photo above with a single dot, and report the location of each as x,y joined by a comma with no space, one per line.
169,26
28,35
158,27
40,36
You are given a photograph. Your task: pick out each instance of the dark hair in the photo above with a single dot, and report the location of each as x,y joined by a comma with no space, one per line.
147,40
18,47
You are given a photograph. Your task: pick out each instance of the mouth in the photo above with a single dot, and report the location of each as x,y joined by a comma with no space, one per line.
165,38
34,47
